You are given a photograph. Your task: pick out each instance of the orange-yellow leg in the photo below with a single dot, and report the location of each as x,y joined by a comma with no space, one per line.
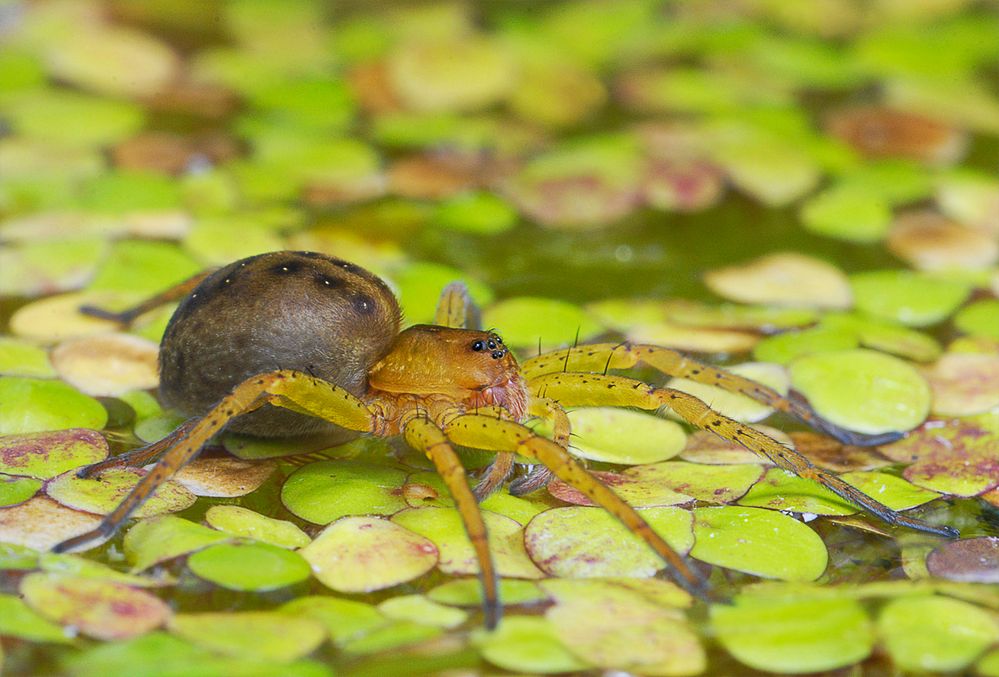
600,357
598,390
483,432
290,389
128,315
423,435
136,458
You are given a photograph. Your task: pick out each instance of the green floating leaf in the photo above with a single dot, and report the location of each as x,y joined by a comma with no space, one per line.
143,267
14,490
862,390
443,526
759,542
468,592
732,316
884,336
260,635
18,620
104,493
617,435
583,542
794,633
361,554
958,458
847,213
88,568
936,634
253,567
781,490
244,523
634,488
520,510
392,635
479,213
599,623
30,405
420,609
328,490
527,644
980,318
22,358
219,240
46,455
17,557
523,321
710,483
161,538
158,653
99,609
783,348
914,299
734,405
67,118
344,619
419,284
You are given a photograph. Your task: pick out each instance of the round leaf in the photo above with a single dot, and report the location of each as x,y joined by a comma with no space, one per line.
249,566
328,490
33,405
239,521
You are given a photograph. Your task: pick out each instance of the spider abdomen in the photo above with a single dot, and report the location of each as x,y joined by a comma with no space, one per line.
283,310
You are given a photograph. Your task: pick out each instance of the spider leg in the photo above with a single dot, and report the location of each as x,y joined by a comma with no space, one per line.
539,475
619,391
423,435
137,458
283,388
483,432
599,357
127,316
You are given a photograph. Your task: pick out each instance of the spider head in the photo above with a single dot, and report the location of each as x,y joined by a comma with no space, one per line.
475,368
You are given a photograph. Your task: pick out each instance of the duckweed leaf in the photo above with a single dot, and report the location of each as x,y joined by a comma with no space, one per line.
443,526
710,483
523,321
392,635
958,458
979,318
145,268
103,493
759,542
481,213
780,490
107,365
87,568
55,318
931,242
468,592
46,455
792,633
975,560
692,339
964,384
71,119
30,405
847,213
17,619
223,476
622,436
156,540
420,609
935,633
786,279
22,358
328,490
584,542
732,316
253,567
885,336
427,489
99,609
419,284
734,405
344,619
783,348
14,490
862,390
261,635
360,554
914,299
599,623
969,197
527,644
39,523
244,523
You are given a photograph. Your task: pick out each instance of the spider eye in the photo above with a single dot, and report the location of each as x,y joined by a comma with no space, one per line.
478,346
497,354
492,344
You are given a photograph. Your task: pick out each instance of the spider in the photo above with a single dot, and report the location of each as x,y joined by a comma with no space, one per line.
289,343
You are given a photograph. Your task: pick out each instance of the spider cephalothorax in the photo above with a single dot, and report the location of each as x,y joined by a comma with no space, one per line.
292,342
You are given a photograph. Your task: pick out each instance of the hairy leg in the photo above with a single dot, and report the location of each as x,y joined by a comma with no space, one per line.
598,390
136,458
289,389
483,432
423,435
600,357
129,315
